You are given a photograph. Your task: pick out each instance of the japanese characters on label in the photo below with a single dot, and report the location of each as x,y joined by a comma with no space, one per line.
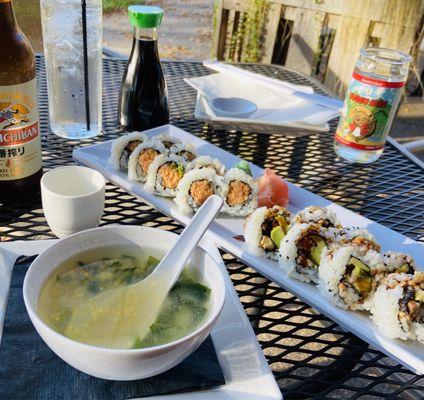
20,151
366,111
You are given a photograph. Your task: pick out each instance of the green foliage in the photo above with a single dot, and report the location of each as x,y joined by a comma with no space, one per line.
113,5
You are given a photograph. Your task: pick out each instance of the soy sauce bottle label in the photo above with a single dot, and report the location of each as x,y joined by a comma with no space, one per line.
20,147
365,116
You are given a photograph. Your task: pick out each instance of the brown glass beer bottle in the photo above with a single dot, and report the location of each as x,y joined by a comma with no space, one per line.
20,142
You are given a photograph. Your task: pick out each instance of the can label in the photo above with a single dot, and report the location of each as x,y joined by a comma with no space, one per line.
20,144
366,112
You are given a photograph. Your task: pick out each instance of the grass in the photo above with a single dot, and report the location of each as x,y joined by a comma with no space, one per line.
113,5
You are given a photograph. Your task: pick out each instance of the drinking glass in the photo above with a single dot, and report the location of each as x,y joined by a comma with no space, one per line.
72,35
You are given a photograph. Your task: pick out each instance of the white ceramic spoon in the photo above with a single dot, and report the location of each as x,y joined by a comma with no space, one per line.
116,318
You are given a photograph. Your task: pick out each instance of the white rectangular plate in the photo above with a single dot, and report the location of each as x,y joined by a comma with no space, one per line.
224,229
244,366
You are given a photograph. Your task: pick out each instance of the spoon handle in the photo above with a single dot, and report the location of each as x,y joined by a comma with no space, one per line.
175,259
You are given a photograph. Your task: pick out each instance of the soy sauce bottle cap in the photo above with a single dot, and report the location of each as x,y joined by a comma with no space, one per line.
145,16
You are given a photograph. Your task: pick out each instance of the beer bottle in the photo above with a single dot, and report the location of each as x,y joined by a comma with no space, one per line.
20,144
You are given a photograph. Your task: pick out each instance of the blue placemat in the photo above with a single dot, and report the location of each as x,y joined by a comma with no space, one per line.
30,370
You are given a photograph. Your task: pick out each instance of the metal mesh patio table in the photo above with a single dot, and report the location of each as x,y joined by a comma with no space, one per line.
310,355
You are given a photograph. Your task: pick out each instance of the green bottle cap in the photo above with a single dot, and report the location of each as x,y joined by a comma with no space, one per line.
145,16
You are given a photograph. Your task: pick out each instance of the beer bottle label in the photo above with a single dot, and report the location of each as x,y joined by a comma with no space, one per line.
366,112
20,144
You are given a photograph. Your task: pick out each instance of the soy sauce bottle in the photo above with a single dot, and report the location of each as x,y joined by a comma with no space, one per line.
143,100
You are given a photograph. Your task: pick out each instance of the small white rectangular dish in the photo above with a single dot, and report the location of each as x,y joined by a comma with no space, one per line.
225,230
246,371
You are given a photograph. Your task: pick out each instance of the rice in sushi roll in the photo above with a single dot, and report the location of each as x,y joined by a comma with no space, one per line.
195,188
185,151
240,191
319,215
142,157
399,262
301,250
207,162
167,140
165,173
265,229
398,306
349,275
122,148
358,236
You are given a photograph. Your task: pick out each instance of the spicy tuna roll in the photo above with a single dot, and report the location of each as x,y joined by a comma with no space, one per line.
207,162
265,229
318,215
301,250
398,306
186,151
167,140
122,148
195,188
164,175
349,275
240,191
142,157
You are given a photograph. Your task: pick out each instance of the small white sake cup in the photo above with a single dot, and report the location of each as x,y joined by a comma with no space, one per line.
73,199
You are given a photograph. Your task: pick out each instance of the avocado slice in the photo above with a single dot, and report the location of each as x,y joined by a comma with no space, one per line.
362,285
316,251
405,268
419,295
282,222
277,235
359,268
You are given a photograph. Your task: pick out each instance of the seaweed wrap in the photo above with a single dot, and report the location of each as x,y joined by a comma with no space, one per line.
142,157
301,250
398,306
207,162
318,215
186,151
265,229
240,191
349,275
164,175
122,148
195,188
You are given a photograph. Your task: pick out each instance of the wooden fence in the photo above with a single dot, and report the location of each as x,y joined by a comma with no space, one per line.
321,38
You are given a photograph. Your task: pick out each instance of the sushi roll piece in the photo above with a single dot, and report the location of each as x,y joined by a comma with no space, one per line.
301,250
195,188
358,236
240,191
264,230
207,162
319,215
398,307
399,262
122,148
164,175
185,151
142,157
349,275
167,140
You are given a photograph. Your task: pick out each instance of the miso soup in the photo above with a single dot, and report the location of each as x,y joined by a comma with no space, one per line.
95,272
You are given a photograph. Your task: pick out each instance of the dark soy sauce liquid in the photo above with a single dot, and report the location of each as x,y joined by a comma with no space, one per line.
143,101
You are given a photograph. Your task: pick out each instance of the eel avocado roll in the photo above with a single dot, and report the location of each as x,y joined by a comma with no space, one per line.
398,307
167,140
264,230
195,188
349,275
207,162
186,151
164,175
318,215
122,148
399,263
142,157
301,250
240,191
